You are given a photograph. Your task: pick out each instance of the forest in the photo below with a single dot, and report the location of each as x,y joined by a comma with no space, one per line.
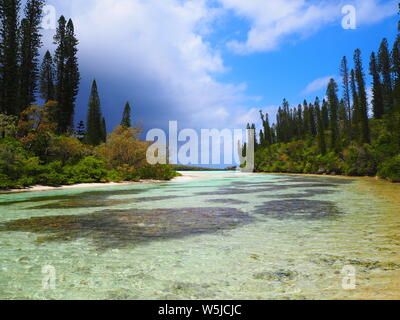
344,133
39,142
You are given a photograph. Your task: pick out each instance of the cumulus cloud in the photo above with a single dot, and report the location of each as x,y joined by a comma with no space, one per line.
272,22
154,53
317,85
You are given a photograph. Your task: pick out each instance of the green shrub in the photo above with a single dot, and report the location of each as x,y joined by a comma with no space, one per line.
157,172
390,169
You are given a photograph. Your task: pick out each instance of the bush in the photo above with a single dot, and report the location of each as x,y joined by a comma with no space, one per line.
157,172
88,170
390,169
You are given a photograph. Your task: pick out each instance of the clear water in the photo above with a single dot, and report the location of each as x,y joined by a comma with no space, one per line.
221,236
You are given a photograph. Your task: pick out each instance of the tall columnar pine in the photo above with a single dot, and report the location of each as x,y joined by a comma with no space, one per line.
126,116
377,94
103,130
59,61
47,90
9,56
265,138
356,106
320,128
72,75
325,114
384,67
67,73
344,71
94,127
311,116
306,119
30,45
362,98
333,103
396,73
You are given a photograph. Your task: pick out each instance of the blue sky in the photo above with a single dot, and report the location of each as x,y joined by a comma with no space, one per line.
214,64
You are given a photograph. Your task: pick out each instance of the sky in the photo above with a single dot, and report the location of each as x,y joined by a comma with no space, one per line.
215,63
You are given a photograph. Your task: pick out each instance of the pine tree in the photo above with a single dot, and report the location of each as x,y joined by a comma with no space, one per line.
362,97
30,45
94,128
67,73
103,130
80,131
377,99
384,67
9,69
59,61
320,127
72,75
126,116
344,71
396,73
325,114
354,92
333,103
313,124
47,90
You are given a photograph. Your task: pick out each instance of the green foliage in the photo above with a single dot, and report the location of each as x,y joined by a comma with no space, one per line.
157,172
390,169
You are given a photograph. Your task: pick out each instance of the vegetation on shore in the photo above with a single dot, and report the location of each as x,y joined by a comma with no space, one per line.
39,143
340,135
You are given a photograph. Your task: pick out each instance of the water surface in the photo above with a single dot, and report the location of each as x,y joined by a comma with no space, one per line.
221,236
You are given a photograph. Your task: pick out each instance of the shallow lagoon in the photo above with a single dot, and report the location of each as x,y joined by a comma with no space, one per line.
220,236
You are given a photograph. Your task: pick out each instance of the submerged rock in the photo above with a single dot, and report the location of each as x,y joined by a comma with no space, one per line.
298,209
118,228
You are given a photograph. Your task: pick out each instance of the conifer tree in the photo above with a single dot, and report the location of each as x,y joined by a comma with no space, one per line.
396,72
321,131
103,130
362,95
325,114
80,131
377,99
333,103
72,75
67,73
47,90
94,127
344,71
126,116
313,124
30,45
354,92
9,56
384,67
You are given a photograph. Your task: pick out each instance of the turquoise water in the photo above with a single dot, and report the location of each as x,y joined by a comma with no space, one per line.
220,236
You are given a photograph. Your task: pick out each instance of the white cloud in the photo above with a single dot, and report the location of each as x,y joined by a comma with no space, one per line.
317,84
156,52
272,22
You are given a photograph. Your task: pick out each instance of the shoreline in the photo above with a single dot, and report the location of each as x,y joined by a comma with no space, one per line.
39,188
376,178
185,176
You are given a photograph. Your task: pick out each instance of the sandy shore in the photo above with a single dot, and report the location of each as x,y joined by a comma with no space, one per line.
183,178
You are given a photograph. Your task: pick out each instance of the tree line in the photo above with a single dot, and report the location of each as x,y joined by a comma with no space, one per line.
339,122
24,79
